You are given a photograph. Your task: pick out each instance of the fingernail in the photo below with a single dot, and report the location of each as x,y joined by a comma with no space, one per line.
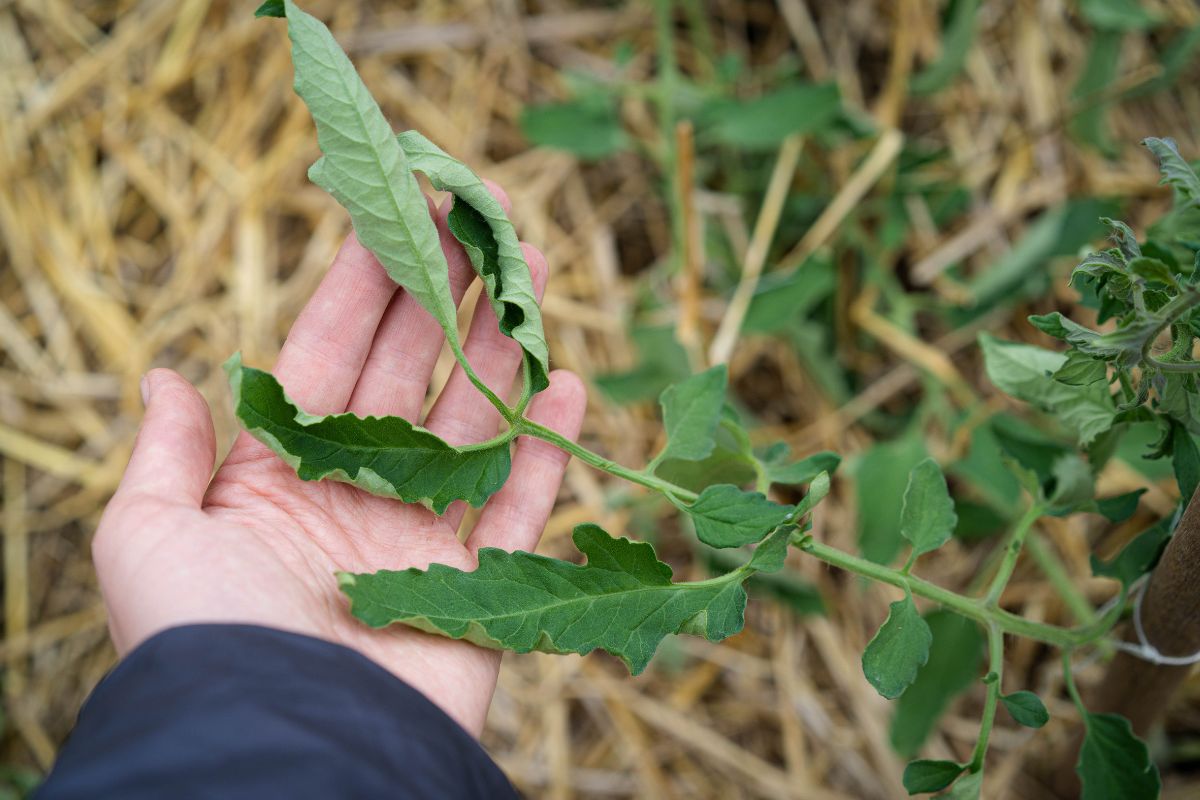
145,387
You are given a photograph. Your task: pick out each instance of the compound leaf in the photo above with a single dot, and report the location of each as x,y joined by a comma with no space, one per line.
622,600
478,221
365,169
1026,708
691,412
930,776
927,517
1114,764
726,516
900,648
386,456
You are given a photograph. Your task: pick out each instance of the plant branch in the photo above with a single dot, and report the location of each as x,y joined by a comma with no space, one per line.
1012,552
994,680
529,428
969,607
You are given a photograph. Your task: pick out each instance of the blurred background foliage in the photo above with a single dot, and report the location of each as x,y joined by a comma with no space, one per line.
835,198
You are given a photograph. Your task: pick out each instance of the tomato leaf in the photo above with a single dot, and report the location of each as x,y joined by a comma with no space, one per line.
365,168
478,221
1176,171
1026,708
775,462
691,412
930,776
1025,372
966,787
1136,558
622,600
1114,764
927,516
953,665
726,516
386,456
899,648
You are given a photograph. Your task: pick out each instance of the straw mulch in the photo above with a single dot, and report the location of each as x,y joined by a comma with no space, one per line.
154,211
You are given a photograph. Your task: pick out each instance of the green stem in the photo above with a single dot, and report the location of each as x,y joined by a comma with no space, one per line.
994,682
968,607
526,427
1184,302
1012,552
1069,680
509,415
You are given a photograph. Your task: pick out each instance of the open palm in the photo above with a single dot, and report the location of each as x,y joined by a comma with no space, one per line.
255,544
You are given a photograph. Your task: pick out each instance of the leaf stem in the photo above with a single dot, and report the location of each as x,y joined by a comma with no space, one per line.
1184,302
1012,552
527,427
1052,567
968,607
510,415
994,679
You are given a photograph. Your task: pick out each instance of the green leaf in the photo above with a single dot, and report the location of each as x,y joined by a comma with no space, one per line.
1026,373
775,462
899,648
1185,460
781,298
1074,484
271,8
1151,269
478,221
731,461
1114,764
589,128
386,456
817,491
957,37
764,122
930,776
1090,124
1120,507
953,665
1124,345
966,788
770,555
880,477
927,517
1136,558
662,361
691,412
1121,15
1026,708
622,600
726,516
365,169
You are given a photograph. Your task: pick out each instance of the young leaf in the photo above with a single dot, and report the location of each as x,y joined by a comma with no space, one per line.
691,411
1026,708
927,517
817,490
1025,372
953,666
622,600
1175,169
899,648
772,552
930,776
365,169
386,456
726,516
775,462
478,221
966,787
1114,764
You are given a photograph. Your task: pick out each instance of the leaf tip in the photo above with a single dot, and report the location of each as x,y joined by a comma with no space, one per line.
271,8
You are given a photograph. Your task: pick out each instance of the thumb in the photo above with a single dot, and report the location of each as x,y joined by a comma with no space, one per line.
173,456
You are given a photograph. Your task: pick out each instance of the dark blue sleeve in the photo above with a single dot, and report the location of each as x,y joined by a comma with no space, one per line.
239,711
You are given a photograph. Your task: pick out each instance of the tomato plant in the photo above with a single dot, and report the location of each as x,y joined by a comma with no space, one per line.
622,599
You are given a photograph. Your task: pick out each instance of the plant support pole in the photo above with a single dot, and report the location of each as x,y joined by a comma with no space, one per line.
1170,614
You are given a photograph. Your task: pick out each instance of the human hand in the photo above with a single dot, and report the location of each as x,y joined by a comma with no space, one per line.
258,545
